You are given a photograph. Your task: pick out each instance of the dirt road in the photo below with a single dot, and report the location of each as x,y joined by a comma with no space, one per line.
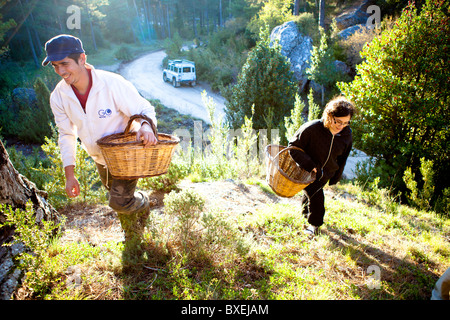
146,74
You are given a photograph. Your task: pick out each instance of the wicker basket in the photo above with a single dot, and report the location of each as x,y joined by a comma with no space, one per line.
127,158
284,176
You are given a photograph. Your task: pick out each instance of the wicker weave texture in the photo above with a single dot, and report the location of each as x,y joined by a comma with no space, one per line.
127,158
283,175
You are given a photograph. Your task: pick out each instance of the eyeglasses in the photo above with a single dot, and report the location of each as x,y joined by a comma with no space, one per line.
339,122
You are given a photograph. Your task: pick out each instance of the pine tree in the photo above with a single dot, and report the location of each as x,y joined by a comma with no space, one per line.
296,120
321,68
36,120
314,111
266,82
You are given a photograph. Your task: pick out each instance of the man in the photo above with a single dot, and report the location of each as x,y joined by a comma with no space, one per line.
90,104
326,144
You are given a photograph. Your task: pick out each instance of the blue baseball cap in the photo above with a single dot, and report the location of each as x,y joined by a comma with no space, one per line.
61,46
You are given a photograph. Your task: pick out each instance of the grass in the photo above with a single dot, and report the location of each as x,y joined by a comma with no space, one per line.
256,256
263,255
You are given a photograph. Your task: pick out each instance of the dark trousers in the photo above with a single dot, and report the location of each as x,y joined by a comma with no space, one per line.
313,203
122,196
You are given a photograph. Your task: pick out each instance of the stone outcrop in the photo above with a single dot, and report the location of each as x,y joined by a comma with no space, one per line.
296,47
344,34
350,22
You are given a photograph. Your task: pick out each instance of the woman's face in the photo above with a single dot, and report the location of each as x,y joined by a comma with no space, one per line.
339,123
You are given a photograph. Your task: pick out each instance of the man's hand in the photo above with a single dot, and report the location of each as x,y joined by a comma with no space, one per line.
72,185
147,136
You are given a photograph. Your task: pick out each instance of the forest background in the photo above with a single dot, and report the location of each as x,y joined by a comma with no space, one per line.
402,125
224,33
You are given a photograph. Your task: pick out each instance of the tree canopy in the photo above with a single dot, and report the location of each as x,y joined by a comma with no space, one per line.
403,94
265,82
27,24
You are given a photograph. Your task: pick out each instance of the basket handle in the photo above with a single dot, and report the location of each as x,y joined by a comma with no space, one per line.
142,116
286,149
289,148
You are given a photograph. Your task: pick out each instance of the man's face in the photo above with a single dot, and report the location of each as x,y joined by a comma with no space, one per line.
69,70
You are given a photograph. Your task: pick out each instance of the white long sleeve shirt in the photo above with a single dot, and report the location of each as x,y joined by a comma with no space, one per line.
112,100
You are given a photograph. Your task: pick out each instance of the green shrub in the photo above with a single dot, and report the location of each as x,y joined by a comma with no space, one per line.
123,53
8,120
85,171
226,153
295,121
33,122
187,207
314,110
36,239
273,13
421,195
27,165
308,25
177,171
220,61
402,93
265,82
173,46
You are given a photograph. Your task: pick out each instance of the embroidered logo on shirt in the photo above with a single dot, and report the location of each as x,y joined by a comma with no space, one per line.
104,113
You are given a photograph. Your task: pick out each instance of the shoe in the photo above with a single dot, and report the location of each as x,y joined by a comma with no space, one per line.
311,231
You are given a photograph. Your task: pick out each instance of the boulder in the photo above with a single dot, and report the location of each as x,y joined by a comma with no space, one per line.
296,47
354,17
344,34
342,67
23,97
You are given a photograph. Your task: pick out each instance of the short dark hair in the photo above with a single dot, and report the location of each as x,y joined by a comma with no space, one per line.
74,56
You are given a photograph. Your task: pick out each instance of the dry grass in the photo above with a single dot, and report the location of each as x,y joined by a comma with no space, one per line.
253,254
353,45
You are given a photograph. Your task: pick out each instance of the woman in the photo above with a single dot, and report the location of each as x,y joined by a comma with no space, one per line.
326,144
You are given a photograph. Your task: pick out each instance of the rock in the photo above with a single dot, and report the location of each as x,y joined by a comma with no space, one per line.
23,97
344,34
342,67
354,17
296,47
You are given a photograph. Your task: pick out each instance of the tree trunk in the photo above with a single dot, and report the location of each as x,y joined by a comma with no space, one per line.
30,40
220,14
168,21
194,24
139,21
323,95
131,22
16,191
296,7
322,13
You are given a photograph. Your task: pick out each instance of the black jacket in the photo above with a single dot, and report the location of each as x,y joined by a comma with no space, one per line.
323,151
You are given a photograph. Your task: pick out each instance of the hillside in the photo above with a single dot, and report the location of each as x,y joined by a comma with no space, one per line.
363,232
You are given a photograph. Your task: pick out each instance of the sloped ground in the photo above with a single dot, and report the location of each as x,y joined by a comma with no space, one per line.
99,224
